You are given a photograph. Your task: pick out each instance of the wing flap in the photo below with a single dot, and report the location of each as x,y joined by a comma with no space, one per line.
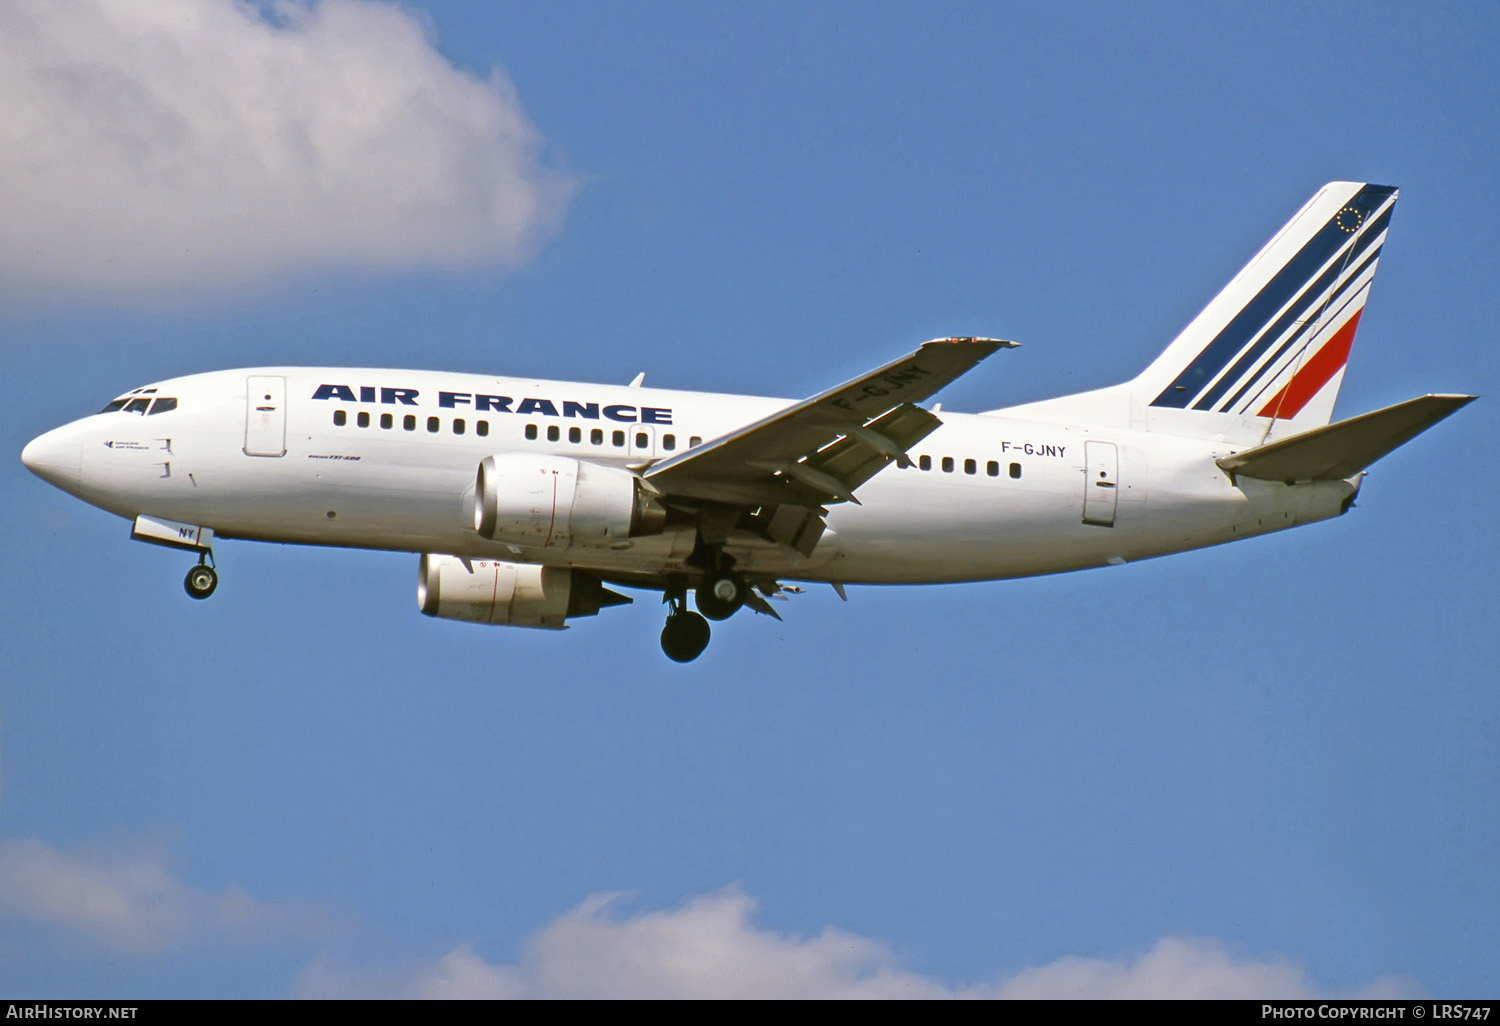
865,451
1339,451
821,449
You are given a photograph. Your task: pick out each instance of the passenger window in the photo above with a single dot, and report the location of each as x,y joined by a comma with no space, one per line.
340,418
970,467
695,441
458,425
642,440
618,438
409,422
118,404
992,468
531,432
925,462
575,434
137,406
481,428
363,420
669,442
1015,471
387,421
433,424
596,436
553,434
163,405
947,464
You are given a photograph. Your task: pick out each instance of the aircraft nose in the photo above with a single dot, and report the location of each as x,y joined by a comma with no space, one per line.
55,457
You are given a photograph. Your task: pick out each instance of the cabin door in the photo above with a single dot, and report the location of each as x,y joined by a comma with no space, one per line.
265,416
1101,483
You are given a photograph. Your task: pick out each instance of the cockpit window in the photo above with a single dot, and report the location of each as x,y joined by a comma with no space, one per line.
141,402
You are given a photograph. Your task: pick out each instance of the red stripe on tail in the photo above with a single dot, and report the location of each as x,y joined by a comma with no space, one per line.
1308,381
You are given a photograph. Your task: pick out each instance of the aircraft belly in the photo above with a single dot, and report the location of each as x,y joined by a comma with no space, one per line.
930,529
959,529
326,512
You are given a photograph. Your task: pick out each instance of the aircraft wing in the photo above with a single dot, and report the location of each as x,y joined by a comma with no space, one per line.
818,451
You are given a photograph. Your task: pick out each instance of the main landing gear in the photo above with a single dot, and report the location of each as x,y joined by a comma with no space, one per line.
686,634
719,595
202,579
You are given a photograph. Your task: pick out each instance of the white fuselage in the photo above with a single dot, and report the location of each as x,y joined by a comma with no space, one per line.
386,459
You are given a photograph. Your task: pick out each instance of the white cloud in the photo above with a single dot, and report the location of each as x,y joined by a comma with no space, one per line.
130,901
155,151
709,948
1175,967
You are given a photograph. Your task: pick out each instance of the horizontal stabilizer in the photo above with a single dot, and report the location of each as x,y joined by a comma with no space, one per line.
1338,451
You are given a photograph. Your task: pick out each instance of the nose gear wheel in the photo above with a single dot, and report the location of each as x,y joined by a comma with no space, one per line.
201,581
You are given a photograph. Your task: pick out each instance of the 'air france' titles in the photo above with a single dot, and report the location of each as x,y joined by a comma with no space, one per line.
481,403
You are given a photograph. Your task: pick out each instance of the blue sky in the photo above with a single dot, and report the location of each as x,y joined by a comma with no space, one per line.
1267,767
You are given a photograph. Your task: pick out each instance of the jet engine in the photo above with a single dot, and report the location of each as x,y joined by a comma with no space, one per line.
554,502
517,594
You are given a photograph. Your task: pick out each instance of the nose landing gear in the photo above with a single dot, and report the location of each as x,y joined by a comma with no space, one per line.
202,579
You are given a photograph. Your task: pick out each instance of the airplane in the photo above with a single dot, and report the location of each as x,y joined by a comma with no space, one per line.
528,501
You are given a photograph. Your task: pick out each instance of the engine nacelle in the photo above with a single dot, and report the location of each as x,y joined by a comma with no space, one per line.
517,594
553,502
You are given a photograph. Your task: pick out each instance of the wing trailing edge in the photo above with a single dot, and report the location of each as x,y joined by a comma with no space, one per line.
821,449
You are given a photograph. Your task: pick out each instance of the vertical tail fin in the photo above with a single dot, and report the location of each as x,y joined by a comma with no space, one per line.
1266,357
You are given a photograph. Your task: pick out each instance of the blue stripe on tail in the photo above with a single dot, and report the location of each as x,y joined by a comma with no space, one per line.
1280,290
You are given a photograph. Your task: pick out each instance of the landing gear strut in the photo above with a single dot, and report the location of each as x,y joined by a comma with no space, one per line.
721,592
202,579
686,634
